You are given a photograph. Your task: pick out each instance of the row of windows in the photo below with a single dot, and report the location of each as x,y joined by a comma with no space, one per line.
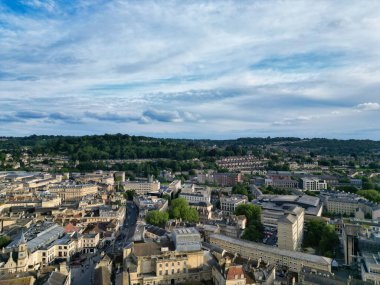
173,271
178,263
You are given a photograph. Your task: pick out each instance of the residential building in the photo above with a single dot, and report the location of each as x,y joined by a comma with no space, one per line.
195,194
339,202
281,183
142,187
294,260
370,267
313,184
175,186
246,163
220,179
290,229
229,204
73,192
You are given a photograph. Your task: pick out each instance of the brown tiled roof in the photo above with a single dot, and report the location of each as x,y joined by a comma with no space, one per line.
233,271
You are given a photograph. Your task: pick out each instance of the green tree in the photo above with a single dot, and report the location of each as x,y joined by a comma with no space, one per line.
252,212
240,189
157,218
329,241
180,209
371,195
129,194
255,229
4,241
321,237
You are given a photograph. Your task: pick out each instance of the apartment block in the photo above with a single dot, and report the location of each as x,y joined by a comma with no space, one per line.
290,229
313,184
294,260
73,192
142,187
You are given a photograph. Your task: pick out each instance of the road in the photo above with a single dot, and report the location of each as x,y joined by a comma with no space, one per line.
127,231
85,273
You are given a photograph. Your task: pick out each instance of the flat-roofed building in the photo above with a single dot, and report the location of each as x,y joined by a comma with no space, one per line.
195,194
220,179
186,239
281,183
313,184
150,203
370,267
339,202
275,206
294,260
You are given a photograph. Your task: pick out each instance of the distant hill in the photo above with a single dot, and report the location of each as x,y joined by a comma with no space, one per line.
119,146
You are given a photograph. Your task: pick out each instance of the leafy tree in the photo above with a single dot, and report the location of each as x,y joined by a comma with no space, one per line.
253,233
371,195
157,218
252,212
255,229
322,237
4,241
191,216
129,194
240,189
350,189
180,209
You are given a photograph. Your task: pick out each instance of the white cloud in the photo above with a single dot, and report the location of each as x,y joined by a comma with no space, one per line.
369,106
239,66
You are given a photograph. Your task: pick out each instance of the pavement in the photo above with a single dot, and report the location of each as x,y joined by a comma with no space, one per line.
84,274
127,231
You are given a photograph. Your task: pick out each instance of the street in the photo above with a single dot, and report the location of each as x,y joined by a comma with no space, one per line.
84,273
127,231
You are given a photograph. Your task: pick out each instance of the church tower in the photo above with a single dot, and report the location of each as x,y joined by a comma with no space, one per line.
22,257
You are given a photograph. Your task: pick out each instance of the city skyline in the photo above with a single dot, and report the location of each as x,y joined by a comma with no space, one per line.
198,69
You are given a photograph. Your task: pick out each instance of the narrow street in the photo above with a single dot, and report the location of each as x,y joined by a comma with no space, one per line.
85,273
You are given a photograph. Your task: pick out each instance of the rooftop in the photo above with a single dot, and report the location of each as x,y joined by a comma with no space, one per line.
292,254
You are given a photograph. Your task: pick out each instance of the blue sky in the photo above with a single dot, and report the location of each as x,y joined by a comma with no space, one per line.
191,69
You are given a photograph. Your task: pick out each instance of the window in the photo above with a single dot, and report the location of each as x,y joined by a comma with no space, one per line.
179,263
178,270
160,272
172,271
166,265
160,264
166,272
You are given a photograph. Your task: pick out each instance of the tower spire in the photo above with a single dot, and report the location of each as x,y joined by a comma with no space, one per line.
22,238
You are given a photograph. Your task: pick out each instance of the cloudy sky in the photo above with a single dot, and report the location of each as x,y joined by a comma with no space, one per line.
190,69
